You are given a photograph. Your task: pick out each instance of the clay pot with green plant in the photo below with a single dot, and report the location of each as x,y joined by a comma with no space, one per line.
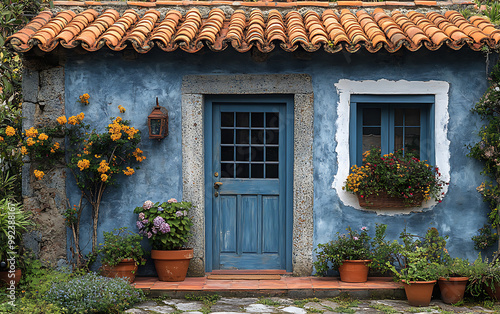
121,253
417,259
14,221
484,278
453,279
349,253
167,226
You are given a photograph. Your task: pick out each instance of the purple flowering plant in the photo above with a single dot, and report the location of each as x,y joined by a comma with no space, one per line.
167,225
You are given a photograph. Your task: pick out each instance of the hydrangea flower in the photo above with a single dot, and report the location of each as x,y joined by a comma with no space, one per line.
139,225
164,228
141,216
158,221
160,209
172,200
150,235
179,213
147,204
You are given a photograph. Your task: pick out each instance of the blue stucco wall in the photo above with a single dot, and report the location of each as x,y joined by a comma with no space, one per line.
113,80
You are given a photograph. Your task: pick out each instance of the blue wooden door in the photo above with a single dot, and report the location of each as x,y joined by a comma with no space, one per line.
248,186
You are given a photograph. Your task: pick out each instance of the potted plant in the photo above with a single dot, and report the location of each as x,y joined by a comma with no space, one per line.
394,180
349,253
121,253
167,227
417,259
453,278
484,278
14,221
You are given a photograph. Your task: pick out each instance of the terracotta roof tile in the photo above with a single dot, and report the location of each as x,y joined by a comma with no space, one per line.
191,31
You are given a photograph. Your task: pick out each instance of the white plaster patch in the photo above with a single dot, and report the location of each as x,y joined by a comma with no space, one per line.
346,88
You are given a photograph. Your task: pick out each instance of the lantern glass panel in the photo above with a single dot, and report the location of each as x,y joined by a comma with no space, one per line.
155,126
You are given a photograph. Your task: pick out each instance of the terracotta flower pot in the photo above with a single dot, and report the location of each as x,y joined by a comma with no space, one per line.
354,271
452,289
172,265
419,293
496,294
5,279
127,269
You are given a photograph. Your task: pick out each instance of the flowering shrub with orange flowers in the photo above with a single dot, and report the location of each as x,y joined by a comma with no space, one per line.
398,175
97,159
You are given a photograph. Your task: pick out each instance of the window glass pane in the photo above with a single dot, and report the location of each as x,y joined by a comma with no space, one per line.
257,136
227,119
271,153
242,136
257,170
371,116
242,153
227,153
242,171
412,140
257,119
227,170
371,138
242,119
271,170
399,117
412,117
272,119
272,136
226,136
398,138
257,153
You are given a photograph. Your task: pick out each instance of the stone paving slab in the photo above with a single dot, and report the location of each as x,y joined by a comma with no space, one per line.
299,306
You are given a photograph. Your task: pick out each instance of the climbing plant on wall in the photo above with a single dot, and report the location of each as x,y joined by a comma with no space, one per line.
97,160
487,149
13,15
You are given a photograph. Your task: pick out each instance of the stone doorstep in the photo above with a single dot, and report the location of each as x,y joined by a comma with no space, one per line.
293,287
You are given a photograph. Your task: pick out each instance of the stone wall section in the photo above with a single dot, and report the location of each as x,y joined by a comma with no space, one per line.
44,101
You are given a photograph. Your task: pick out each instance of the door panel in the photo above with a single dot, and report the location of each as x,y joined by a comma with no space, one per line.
248,199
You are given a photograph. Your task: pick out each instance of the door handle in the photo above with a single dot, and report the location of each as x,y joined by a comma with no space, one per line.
217,185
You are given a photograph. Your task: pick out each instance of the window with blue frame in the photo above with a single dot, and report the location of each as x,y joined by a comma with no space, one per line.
392,122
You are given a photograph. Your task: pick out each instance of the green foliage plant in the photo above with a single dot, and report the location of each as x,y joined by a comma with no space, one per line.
167,225
383,250
485,238
417,258
97,160
121,244
398,174
483,274
456,267
91,293
353,245
486,150
14,221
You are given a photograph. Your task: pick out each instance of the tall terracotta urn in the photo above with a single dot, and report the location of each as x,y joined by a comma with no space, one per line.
354,270
172,265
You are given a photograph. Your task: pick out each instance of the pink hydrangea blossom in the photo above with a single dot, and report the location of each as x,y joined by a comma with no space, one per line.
172,200
147,204
141,216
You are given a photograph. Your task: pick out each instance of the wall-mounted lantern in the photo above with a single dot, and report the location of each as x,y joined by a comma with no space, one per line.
158,122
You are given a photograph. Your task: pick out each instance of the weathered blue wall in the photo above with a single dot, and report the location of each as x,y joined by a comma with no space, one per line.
113,80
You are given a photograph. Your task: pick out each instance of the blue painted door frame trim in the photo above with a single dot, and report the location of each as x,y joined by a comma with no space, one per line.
287,189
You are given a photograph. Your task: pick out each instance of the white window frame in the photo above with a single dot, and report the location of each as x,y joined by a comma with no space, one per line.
346,88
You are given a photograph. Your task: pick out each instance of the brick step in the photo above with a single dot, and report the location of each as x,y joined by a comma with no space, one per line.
294,287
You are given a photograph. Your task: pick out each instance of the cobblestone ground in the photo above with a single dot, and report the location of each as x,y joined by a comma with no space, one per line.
285,305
